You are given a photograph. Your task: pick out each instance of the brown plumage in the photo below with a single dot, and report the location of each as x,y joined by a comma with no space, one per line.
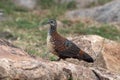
63,47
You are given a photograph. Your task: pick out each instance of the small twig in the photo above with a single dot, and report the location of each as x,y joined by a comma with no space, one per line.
101,49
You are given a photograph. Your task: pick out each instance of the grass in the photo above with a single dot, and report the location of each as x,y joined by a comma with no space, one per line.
56,9
104,30
9,7
25,25
48,4
99,2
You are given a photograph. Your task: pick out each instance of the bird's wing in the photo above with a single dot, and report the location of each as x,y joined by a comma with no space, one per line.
67,48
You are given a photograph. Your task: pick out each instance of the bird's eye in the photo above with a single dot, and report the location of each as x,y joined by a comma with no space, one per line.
51,21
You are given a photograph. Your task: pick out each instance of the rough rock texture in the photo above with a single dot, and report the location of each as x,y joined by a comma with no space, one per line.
7,35
79,3
2,17
110,12
16,64
8,50
103,74
104,51
33,69
85,3
28,4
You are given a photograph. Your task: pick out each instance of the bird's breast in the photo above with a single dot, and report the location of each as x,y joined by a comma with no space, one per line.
50,44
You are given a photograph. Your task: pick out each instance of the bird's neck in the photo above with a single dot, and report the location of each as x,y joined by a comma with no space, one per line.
52,30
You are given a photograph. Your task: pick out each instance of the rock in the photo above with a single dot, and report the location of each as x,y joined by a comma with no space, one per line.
16,64
79,3
33,69
109,12
28,4
85,3
7,35
2,16
104,51
8,50
103,74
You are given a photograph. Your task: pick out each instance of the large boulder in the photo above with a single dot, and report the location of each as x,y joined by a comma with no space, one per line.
79,3
28,4
109,12
2,16
103,74
16,64
104,51
83,3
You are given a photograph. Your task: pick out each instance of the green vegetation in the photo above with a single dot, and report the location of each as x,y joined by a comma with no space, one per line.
26,25
56,9
9,7
101,2
45,4
104,30
107,31
98,2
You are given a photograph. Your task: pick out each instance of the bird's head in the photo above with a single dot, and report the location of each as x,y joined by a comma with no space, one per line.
52,22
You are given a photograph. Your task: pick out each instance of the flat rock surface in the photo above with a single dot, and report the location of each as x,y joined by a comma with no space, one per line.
109,12
104,51
16,64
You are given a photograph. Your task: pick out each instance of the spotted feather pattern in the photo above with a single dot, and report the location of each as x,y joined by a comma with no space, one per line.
63,47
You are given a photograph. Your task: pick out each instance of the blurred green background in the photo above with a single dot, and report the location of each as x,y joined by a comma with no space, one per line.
24,29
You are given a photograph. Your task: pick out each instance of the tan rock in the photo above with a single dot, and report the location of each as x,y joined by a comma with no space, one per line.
110,12
29,4
103,74
79,3
104,51
16,64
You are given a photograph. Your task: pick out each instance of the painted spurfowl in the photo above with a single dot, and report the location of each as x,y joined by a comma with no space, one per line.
63,47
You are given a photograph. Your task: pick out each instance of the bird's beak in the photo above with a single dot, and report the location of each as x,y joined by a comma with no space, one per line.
48,22
45,23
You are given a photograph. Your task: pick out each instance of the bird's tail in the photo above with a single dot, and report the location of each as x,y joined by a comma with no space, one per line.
86,57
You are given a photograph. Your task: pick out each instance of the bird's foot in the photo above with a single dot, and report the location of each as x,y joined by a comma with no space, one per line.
58,59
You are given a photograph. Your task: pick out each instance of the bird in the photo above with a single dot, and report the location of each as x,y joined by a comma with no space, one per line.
62,47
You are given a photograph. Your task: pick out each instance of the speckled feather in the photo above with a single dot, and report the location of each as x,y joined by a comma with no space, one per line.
63,47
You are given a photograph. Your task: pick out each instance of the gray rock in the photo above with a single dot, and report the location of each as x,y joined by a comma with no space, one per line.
85,3
16,64
109,12
29,4
2,17
103,74
64,1
7,35
105,52
79,3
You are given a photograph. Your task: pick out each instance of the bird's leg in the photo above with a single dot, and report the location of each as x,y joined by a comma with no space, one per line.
58,59
46,55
